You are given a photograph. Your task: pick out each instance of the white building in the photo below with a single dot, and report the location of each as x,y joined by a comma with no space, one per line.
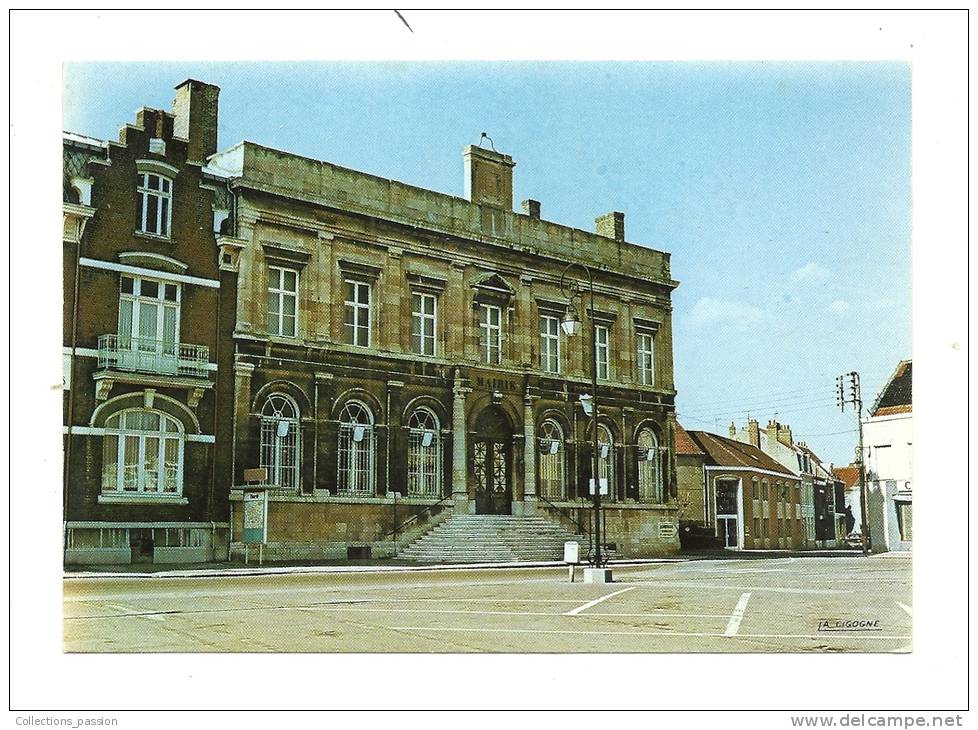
888,447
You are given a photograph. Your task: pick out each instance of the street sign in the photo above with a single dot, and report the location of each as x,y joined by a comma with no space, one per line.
259,476
572,552
255,517
604,487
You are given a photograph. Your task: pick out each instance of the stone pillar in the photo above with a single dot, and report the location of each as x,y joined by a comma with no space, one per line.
242,406
455,312
529,456
460,491
324,478
391,314
321,290
528,328
396,443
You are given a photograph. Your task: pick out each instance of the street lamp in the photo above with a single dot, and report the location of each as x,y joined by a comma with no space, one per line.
571,324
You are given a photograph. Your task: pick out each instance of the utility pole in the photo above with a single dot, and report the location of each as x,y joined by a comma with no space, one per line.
854,397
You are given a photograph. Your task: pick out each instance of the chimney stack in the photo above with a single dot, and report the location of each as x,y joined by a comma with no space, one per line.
784,434
531,208
489,177
611,225
195,112
753,433
732,430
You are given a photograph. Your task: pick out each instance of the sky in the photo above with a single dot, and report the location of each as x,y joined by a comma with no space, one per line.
781,189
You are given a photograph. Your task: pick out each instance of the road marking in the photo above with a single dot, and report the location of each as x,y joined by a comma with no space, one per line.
129,613
830,636
596,601
652,583
906,608
737,616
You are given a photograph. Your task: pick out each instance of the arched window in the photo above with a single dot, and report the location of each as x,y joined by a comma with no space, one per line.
424,454
279,448
355,465
606,459
142,453
552,471
649,467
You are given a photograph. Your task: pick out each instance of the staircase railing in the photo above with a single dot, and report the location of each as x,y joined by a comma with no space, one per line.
581,527
433,509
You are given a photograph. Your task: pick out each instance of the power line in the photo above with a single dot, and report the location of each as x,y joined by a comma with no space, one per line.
763,402
778,409
830,433
800,392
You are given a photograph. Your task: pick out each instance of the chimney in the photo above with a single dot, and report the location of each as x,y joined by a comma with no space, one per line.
772,432
195,112
489,177
753,434
531,208
784,435
732,430
611,225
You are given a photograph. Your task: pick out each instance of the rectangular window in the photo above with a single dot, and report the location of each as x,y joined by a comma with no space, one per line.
602,355
491,334
549,343
153,204
357,322
149,318
646,368
283,299
424,322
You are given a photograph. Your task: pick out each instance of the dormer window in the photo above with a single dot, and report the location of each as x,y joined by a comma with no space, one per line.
153,204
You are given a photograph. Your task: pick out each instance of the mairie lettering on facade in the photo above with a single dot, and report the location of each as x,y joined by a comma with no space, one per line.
383,351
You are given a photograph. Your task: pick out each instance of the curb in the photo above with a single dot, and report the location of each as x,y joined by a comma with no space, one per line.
327,569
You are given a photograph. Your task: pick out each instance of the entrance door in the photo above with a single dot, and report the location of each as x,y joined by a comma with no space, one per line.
491,460
728,513
492,489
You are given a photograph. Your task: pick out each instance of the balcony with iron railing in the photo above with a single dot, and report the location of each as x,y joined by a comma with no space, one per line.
122,353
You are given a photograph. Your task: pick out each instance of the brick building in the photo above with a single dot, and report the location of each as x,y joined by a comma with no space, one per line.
745,496
148,314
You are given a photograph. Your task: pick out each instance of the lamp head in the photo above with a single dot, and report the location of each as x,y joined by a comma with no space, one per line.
571,322
587,403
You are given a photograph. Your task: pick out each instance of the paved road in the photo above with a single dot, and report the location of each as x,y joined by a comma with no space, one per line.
756,605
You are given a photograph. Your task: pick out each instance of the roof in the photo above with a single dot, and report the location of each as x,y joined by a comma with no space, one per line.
268,171
685,446
897,394
849,475
721,451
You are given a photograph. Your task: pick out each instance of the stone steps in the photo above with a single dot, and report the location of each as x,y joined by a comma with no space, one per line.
491,538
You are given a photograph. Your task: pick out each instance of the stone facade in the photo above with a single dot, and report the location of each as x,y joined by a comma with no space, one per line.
359,254
389,355
148,315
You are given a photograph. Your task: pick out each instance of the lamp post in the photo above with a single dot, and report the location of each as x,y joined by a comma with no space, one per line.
571,324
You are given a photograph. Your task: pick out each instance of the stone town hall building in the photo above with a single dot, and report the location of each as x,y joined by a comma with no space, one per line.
385,352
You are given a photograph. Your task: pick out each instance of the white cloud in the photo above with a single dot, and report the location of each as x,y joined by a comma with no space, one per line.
839,306
708,311
809,272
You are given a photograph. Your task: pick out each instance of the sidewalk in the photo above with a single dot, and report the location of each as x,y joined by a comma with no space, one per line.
394,565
